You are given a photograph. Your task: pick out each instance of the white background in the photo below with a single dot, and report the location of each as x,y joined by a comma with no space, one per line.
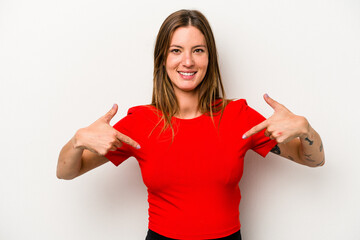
63,64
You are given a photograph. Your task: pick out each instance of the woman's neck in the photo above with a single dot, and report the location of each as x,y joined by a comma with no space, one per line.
188,105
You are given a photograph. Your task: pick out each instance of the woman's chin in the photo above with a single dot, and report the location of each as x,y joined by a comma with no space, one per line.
186,89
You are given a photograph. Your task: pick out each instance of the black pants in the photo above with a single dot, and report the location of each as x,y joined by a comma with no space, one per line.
151,235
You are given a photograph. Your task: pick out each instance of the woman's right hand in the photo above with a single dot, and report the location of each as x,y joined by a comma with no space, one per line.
100,137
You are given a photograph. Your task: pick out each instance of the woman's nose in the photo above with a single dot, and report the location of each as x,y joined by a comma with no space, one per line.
187,60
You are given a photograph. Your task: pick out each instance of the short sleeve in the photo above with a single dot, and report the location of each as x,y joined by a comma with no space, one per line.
259,142
125,127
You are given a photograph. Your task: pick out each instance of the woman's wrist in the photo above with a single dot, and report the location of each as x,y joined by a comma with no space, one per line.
76,140
305,129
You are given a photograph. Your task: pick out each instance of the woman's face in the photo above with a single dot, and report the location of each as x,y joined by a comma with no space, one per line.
187,61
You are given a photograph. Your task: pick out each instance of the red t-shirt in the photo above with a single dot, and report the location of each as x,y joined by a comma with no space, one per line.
192,181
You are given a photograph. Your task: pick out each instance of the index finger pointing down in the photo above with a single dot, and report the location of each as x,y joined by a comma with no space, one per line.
127,140
256,129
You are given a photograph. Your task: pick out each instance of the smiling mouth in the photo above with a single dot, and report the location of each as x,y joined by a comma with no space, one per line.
187,73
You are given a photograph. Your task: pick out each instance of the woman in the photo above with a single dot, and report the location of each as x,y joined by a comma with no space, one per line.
191,141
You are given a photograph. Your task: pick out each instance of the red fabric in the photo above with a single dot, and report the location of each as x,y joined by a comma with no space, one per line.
193,182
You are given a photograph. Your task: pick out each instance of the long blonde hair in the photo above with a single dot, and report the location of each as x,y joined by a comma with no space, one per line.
210,89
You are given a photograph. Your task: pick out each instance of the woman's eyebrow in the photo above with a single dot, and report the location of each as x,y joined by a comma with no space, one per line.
204,46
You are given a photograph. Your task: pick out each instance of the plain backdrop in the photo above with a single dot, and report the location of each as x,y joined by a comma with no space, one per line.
63,64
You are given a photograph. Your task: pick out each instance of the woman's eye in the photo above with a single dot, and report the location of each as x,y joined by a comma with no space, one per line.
175,51
199,50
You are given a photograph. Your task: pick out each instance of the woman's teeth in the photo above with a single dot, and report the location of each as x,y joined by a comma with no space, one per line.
187,74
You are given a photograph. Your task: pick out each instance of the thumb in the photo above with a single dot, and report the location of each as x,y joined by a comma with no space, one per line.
110,114
274,104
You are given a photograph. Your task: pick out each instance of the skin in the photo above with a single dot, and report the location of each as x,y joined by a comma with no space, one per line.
188,52
86,149
297,140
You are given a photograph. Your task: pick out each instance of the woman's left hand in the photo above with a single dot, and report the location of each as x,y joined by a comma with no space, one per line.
283,125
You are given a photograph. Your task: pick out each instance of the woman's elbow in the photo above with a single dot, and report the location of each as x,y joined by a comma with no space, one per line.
61,174
316,164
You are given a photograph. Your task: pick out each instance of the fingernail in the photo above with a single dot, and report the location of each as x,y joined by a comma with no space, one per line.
138,147
244,136
114,105
266,95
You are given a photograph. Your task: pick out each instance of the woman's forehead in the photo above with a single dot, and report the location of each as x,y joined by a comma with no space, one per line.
189,35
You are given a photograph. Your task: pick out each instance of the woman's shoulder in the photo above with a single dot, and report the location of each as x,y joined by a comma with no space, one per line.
143,110
237,104
138,117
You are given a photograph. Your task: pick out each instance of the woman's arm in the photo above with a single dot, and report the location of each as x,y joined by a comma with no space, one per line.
74,161
297,140
86,150
307,150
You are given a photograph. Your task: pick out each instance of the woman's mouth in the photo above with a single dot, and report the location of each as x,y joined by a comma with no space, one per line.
187,75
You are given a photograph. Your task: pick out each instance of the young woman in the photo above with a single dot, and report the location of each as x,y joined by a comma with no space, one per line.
190,141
